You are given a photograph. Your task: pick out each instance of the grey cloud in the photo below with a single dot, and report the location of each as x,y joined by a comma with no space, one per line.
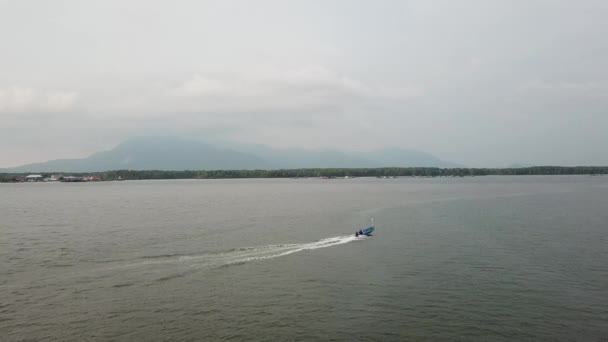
17,99
483,83
310,87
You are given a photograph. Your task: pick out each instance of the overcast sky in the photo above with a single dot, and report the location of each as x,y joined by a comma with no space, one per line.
482,83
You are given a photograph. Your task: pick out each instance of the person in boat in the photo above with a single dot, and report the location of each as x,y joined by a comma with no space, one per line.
360,231
356,234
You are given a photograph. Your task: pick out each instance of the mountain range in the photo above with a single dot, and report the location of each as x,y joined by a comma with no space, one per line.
170,153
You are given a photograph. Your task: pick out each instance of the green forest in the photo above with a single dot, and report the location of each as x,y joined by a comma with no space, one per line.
325,173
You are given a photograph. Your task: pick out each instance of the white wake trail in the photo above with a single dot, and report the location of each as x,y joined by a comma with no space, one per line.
238,256
267,252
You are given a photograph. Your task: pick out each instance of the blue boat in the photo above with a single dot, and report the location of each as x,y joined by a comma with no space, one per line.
367,231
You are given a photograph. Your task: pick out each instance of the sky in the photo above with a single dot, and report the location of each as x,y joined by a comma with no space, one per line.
483,83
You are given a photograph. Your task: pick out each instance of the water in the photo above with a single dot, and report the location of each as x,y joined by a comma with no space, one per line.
475,259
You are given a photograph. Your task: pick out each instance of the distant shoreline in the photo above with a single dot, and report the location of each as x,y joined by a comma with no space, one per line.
326,173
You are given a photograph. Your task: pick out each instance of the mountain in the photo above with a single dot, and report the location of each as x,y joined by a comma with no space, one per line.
405,158
154,154
167,153
300,158
519,165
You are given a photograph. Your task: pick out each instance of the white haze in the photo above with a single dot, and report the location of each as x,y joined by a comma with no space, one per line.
482,83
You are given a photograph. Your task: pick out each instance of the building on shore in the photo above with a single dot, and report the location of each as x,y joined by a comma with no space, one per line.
33,178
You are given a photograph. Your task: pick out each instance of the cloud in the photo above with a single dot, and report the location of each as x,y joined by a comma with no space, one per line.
576,90
201,86
300,89
318,78
60,101
476,81
17,99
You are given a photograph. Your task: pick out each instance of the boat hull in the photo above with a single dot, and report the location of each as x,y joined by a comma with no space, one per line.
368,231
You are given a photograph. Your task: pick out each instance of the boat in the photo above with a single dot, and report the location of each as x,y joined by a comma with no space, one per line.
367,231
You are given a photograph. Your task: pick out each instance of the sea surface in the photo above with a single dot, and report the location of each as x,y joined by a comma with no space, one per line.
453,259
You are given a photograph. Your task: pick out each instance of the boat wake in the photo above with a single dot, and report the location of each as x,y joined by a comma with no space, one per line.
162,268
244,255
239,256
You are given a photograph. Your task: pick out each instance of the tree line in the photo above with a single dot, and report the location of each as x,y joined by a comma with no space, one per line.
328,173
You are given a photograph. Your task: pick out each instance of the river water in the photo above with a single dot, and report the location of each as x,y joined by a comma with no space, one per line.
470,259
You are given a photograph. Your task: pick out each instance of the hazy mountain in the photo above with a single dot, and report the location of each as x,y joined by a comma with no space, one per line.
300,158
405,158
519,165
154,154
178,154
